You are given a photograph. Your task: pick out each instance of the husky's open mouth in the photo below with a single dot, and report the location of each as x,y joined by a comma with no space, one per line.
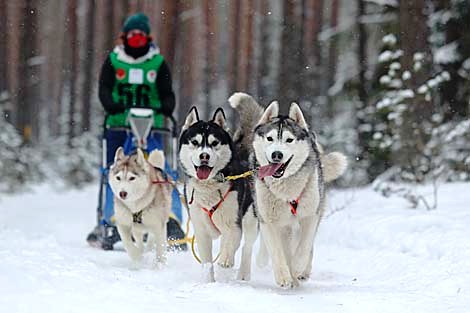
275,170
280,170
203,171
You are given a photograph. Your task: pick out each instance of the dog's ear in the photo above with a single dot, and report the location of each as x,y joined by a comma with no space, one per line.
141,158
157,159
219,117
271,112
295,113
119,155
193,117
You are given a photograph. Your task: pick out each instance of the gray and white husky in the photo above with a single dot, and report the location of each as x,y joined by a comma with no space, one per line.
217,208
142,202
290,191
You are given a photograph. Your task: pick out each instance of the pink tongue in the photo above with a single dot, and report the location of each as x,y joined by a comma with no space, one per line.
268,170
203,172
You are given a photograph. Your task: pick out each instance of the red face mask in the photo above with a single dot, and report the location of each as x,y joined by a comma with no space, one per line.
137,40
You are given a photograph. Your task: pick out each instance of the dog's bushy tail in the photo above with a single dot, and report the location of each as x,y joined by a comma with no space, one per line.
334,165
250,113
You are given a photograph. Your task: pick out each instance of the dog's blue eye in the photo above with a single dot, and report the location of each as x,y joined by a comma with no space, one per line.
214,143
194,142
269,138
289,140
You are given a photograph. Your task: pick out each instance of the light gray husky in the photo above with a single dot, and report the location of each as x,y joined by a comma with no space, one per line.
290,190
142,201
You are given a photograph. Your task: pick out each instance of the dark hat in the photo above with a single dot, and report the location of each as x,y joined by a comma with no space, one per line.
137,21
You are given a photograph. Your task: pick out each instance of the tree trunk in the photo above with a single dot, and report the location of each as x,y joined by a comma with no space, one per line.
14,12
245,37
28,75
125,9
210,69
88,66
362,52
73,35
312,83
270,44
263,64
186,66
413,39
110,36
291,57
234,46
312,20
168,30
363,138
332,55
3,46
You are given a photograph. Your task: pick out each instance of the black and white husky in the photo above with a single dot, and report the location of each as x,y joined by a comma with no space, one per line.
290,190
216,207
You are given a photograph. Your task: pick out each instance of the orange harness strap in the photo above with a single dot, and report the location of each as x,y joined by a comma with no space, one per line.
295,203
293,206
215,207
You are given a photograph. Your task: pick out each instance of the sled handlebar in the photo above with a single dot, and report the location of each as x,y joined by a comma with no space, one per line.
173,127
172,130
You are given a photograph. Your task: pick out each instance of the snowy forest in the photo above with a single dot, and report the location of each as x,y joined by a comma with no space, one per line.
384,82
387,82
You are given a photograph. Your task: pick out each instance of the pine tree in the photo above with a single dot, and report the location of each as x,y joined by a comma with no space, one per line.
398,98
18,163
450,42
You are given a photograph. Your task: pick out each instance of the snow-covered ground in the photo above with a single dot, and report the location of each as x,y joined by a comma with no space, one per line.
372,255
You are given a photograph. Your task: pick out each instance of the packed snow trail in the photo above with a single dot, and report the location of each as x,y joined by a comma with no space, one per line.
373,255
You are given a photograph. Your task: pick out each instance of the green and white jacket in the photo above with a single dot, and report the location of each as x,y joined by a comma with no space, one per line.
126,82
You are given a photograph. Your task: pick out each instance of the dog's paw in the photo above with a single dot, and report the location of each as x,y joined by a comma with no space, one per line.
244,272
285,280
303,276
244,275
288,283
225,262
207,273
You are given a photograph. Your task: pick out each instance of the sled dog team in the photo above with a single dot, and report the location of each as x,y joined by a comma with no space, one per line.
284,199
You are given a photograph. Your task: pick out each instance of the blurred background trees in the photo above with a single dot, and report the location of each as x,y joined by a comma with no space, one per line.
385,81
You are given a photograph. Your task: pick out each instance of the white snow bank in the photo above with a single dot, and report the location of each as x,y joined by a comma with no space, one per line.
372,255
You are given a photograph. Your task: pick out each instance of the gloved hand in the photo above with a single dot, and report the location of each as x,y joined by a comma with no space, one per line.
166,111
168,105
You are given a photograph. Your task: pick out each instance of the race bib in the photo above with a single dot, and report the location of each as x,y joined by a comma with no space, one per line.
136,76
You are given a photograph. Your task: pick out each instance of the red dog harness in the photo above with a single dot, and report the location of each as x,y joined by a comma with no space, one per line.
295,203
293,206
215,207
